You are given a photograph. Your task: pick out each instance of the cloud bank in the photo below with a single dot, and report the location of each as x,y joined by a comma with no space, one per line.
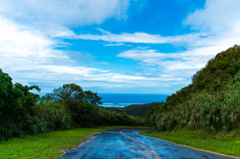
138,37
31,31
217,27
66,13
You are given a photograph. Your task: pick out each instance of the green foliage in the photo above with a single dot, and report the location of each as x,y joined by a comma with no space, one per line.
139,110
211,100
82,106
67,107
56,115
28,99
217,71
47,145
72,93
15,99
211,111
223,142
47,117
114,118
16,103
211,78
9,94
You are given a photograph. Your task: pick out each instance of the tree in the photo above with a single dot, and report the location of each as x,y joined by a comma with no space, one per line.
9,95
70,93
92,98
28,99
15,98
80,103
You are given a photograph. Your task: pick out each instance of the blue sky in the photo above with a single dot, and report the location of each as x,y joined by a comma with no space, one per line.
114,46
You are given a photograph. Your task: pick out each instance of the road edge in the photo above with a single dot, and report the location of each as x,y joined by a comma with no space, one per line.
193,147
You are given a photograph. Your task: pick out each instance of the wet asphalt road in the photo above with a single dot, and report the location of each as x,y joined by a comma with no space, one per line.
126,143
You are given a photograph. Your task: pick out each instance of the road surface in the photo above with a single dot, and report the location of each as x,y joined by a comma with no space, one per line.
126,143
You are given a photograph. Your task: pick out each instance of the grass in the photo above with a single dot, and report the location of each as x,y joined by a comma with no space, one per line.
46,146
226,143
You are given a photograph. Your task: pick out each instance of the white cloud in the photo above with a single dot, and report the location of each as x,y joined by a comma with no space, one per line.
218,28
55,17
104,63
30,57
27,44
29,31
220,20
27,47
216,16
117,44
23,46
138,37
60,12
167,61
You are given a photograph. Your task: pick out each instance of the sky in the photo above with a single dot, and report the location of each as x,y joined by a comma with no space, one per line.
114,46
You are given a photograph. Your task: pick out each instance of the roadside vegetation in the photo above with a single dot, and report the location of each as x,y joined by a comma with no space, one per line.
206,113
47,145
212,101
23,112
222,142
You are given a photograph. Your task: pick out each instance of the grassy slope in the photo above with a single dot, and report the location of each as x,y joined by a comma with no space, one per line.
141,112
118,110
46,146
135,106
227,143
135,109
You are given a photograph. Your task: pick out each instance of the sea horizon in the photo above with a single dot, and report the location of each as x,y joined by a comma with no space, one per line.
126,99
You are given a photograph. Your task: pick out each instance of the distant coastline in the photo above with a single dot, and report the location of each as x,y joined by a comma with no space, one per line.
124,99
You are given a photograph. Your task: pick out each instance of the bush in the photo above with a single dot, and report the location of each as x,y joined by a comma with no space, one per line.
211,101
67,107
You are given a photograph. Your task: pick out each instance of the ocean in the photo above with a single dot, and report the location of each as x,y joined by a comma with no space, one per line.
122,100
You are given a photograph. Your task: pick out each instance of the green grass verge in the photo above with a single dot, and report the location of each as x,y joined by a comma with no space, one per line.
46,146
227,143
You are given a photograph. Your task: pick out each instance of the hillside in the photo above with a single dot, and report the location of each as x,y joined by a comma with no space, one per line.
211,101
135,109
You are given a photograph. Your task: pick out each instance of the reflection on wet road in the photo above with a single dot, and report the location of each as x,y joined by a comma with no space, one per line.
127,143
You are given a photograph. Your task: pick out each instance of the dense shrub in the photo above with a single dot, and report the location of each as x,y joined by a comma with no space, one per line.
211,78
56,115
211,101
67,107
220,110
